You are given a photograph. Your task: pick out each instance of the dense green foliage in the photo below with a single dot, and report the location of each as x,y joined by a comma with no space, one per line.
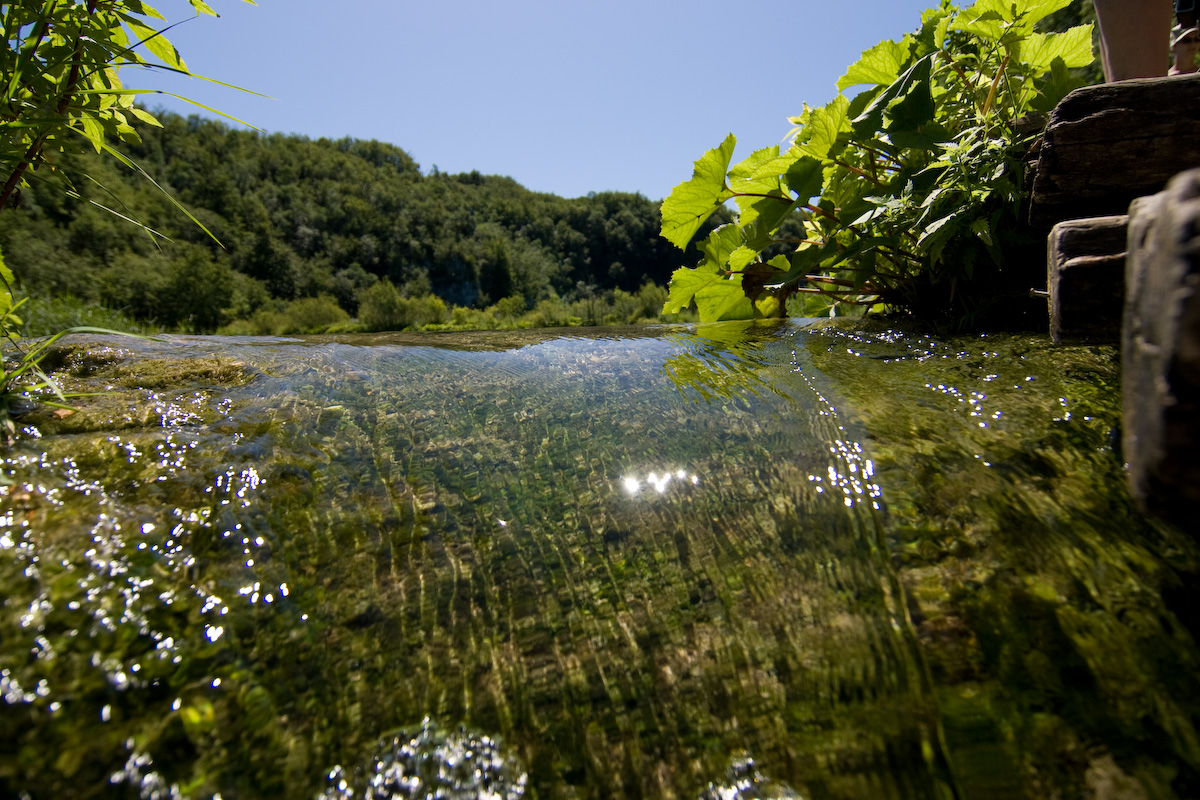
302,219
61,93
61,86
906,196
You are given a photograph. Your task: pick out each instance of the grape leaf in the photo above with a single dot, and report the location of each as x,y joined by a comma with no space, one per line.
871,120
805,178
1030,11
915,108
986,18
693,201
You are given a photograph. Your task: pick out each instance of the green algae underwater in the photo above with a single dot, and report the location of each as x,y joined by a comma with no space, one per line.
740,560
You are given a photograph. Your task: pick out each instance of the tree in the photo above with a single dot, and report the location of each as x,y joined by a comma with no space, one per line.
59,74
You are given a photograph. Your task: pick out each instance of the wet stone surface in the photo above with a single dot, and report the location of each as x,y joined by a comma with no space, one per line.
718,561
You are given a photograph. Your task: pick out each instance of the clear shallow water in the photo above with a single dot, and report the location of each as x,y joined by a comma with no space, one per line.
723,561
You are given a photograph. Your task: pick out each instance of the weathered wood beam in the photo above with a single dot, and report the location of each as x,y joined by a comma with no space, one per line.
1106,145
1086,277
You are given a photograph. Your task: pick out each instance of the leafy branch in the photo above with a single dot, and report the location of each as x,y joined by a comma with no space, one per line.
902,191
59,72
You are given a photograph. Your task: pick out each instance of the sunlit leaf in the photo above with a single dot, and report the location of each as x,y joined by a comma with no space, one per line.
760,172
717,297
145,116
768,305
718,246
742,257
1031,11
879,65
144,9
723,300
1074,47
155,42
822,126
94,131
763,214
934,24
694,201
988,19
203,8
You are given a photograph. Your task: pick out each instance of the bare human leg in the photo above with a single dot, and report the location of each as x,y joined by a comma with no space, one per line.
1134,39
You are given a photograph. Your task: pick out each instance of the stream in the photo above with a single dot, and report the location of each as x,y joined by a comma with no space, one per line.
816,560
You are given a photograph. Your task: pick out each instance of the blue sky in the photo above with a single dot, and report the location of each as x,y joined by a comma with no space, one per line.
564,97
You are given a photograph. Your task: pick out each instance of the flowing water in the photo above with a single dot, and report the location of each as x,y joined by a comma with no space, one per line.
722,561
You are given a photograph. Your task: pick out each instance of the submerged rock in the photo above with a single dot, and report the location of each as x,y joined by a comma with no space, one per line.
429,762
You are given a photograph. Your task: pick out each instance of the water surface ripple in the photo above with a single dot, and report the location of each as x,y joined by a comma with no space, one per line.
719,561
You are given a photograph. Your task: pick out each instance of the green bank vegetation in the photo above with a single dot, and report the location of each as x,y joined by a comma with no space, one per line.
308,228
906,195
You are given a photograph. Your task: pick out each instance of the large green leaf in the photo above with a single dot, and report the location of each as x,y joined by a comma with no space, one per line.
988,19
717,297
759,174
879,65
718,246
915,81
1057,85
913,108
760,216
1030,11
992,19
822,126
804,178
1074,47
693,201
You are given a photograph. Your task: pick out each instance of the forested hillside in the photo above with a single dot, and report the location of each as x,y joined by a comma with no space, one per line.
302,218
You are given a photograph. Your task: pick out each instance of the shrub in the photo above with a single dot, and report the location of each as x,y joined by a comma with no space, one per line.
314,314
382,307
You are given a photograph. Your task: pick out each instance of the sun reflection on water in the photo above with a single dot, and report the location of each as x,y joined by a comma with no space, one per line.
659,482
